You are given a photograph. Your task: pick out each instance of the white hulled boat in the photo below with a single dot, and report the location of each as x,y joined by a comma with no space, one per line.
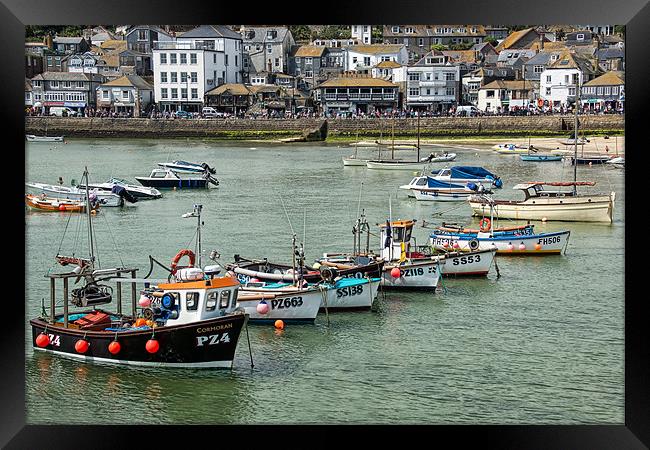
75,193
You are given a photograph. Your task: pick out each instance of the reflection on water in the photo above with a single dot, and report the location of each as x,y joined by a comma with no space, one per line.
541,344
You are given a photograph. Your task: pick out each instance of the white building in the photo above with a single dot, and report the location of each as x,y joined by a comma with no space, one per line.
504,95
362,58
363,33
391,71
559,81
198,61
84,63
433,83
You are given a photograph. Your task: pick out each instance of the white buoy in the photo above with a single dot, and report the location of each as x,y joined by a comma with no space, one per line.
544,219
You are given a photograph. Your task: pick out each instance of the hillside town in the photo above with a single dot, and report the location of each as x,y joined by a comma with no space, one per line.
159,71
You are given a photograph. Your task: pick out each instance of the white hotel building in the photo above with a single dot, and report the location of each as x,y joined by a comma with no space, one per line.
197,62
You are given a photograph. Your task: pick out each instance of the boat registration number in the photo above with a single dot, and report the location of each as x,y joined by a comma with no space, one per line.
289,302
549,240
416,271
212,339
349,291
466,260
55,340
441,241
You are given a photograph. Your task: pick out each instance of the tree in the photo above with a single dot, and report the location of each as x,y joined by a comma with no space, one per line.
492,40
439,47
377,34
300,32
335,32
620,30
462,46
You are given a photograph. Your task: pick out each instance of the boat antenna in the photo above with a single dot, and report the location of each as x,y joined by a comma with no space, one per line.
90,222
286,214
196,213
293,258
418,158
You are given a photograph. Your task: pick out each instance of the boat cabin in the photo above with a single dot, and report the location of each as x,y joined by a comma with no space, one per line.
395,238
538,189
163,173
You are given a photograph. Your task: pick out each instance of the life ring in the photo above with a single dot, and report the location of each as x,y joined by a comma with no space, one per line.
484,224
540,102
179,255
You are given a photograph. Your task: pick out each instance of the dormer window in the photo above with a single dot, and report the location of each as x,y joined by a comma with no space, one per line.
580,37
395,29
272,34
410,30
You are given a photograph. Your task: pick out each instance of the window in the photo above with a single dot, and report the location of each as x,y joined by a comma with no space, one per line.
548,91
192,58
406,41
172,58
174,77
428,91
308,60
142,35
183,77
414,92
269,48
427,76
450,76
236,61
195,93
65,84
277,62
211,301
421,42
225,59
80,84
214,58
297,59
395,29
489,94
105,95
572,91
191,301
395,41
614,90
184,93
183,57
366,60
580,37
54,84
451,91
548,78
608,90
365,28
174,93
163,92
538,69
194,77
409,30
414,76
566,79
224,299
163,77
163,58
309,73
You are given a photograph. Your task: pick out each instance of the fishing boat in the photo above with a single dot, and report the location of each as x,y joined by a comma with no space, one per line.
509,243
550,204
168,179
439,157
44,203
618,162
189,320
34,138
135,191
78,194
190,167
266,302
467,174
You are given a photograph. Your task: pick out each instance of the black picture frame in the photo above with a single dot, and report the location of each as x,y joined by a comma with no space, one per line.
634,433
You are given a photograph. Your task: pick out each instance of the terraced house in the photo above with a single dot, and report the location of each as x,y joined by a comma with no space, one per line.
74,90
362,58
356,94
198,61
129,94
266,49
433,84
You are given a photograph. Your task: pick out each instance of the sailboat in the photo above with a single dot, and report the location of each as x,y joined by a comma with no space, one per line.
354,160
46,138
397,164
189,321
551,204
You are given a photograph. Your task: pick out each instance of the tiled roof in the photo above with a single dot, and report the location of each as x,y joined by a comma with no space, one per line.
211,31
510,85
513,38
357,81
461,56
260,34
376,48
612,78
571,60
388,65
66,76
68,40
131,81
230,88
310,51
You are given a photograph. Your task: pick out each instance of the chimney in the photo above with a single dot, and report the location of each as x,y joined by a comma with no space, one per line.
541,42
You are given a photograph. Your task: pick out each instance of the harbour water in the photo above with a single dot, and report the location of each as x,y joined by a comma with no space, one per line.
542,344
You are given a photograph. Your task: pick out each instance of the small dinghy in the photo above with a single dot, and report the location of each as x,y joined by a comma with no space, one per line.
45,203
442,157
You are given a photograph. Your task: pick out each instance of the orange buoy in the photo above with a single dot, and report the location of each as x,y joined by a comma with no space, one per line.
149,323
81,346
152,346
114,347
395,272
42,340
279,324
139,322
538,247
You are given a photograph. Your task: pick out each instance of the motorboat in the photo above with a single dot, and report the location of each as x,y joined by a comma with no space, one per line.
138,192
44,203
467,174
34,138
74,193
185,166
169,179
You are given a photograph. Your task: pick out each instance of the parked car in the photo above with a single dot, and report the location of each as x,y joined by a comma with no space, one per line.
209,112
62,111
466,110
183,115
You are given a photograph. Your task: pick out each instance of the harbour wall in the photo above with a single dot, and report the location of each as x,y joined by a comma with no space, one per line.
430,127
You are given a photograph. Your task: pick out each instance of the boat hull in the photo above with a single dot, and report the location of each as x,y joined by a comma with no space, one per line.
590,160
537,244
348,161
54,204
541,158
395,165
297,306
105,198
170,184
415,275
596,208
475,263
440,195
206,344
351,294
32,138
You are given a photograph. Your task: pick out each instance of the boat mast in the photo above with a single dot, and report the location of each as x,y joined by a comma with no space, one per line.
197,209
392,148
575,139
293,258
418,158
90,222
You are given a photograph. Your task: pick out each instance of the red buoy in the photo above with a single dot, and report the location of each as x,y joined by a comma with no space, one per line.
395,272
61,207
81,346
152,346
42,340
114,347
